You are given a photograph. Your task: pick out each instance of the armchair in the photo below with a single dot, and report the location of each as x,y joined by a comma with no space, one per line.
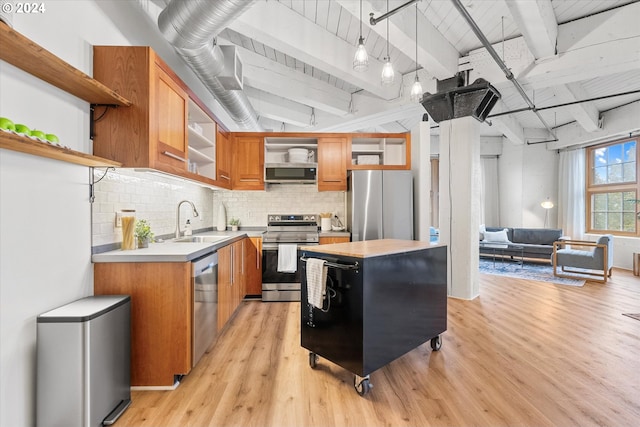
594,262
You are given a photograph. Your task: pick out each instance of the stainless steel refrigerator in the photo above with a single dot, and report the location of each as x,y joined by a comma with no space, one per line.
380,205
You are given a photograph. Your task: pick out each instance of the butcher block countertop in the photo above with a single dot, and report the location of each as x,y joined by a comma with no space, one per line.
369,248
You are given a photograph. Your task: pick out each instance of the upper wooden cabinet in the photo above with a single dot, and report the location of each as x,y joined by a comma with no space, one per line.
332,164
153,131
223,160
248,161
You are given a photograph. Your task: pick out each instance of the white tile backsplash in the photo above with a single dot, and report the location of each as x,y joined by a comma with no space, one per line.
252,207
154,197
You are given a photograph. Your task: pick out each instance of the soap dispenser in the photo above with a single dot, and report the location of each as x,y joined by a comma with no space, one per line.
187,228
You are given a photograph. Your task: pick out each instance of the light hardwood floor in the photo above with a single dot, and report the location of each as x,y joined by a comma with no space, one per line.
524,353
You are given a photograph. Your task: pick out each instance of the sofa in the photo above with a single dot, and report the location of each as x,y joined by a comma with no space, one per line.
536,242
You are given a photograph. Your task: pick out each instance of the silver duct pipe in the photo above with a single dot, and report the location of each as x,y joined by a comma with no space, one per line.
507,72
191,27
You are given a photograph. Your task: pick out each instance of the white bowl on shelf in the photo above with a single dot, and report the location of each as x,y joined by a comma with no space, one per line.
298,155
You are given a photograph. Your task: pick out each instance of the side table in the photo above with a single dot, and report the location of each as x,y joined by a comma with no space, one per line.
636,264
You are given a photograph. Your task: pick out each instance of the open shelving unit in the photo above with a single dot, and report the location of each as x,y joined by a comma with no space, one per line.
202,142
371,152
276,148
32,58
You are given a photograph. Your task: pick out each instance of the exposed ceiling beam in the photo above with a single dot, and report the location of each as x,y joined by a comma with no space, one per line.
595,46
370,112
278,108
270,76
537,23
618,122
508,125
585,113
286,31
377,118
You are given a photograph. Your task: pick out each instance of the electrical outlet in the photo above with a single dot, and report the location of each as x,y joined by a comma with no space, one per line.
118,219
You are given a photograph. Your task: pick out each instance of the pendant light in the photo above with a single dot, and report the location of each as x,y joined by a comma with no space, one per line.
388,74
416,89
361,58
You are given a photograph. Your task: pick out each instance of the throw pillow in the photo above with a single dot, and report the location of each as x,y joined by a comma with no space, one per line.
496,236
483,230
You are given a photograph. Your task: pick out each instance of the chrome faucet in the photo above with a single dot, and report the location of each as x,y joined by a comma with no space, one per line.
195,213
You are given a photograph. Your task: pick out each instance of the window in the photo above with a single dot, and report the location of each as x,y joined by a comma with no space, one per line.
613,188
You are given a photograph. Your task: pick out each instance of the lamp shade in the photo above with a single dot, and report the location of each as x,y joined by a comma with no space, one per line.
547,204
416,90
361,58
388,74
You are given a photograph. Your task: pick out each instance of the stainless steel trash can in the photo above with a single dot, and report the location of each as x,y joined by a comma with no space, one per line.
83,362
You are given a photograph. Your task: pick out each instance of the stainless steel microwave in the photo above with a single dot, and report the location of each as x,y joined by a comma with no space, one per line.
292,173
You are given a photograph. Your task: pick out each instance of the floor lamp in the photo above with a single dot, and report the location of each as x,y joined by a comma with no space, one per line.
547,205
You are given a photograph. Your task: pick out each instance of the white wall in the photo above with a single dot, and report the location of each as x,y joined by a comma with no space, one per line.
45,219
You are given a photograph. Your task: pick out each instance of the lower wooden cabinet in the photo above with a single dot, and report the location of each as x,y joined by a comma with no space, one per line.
161,316
231,279
253,266
334,239
162,306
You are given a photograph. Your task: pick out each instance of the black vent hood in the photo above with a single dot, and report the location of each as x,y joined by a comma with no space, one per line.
454,100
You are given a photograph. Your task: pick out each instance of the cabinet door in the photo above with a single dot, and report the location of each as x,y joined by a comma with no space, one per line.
332,164
253,266
152,133
239,270
170,123
161,316
335,239
248,173
223,160
225,272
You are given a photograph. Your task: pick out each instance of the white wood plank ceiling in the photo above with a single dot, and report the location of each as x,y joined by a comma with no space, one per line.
559,50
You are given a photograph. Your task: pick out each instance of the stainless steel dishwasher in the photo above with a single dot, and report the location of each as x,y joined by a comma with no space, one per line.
205,303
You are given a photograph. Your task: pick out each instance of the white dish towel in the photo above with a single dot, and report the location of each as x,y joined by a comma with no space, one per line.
287,258
316,281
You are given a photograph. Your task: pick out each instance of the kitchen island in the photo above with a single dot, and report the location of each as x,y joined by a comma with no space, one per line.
383,299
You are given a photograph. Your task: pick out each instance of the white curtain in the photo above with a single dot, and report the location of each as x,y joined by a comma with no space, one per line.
489,196
571,193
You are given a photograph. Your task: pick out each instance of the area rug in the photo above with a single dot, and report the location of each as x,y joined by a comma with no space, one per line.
633,316
531,271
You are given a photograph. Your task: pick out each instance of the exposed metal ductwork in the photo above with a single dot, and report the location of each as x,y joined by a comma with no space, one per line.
191,27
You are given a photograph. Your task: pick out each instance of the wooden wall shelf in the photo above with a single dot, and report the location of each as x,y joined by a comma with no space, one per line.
27,145
23,53
32,58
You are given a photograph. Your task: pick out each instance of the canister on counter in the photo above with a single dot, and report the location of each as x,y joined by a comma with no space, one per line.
325,221
128,229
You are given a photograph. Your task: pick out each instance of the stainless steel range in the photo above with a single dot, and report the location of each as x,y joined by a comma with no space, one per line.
285,233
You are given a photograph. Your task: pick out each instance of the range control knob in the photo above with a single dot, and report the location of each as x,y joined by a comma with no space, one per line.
312,218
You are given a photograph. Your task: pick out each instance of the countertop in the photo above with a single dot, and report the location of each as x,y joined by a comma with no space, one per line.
169,251
370,248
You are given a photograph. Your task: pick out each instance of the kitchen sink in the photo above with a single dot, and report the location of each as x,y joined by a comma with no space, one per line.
201,239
